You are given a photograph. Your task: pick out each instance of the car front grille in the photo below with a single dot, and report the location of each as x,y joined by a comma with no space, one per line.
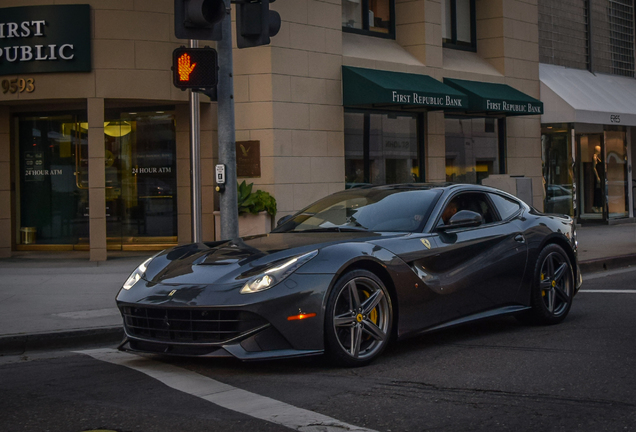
188,325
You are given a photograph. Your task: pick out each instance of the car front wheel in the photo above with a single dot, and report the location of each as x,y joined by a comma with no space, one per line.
358,319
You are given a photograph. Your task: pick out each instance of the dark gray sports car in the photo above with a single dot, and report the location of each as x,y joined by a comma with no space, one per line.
353,271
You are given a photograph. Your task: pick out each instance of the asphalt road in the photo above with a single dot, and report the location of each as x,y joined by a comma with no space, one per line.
492,376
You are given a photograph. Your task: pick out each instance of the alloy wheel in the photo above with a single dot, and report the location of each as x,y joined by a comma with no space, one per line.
361,318
556,284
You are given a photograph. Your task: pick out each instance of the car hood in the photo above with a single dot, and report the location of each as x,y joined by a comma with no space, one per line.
226,262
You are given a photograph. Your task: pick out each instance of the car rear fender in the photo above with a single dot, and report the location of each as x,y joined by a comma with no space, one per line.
561,240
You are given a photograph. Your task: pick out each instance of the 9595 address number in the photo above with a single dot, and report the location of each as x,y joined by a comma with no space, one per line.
18,85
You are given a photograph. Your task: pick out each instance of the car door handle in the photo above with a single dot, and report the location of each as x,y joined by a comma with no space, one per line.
520,238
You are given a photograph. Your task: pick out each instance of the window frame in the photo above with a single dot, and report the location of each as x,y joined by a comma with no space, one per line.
494,203
502,134
486,198
420,119
365,22
453,43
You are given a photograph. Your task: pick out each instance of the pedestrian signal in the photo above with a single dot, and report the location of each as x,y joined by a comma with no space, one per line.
195,68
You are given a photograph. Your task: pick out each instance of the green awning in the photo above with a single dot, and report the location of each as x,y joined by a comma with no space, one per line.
496,98
370,88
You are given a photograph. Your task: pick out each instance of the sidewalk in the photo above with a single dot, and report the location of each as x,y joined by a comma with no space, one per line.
602,247
62,299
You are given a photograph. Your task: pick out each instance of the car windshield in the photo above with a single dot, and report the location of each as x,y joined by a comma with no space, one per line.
392,210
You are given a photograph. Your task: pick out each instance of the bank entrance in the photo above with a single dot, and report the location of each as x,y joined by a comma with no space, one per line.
52,191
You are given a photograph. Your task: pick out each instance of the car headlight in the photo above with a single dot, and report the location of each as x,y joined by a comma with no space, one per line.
137,274
270,277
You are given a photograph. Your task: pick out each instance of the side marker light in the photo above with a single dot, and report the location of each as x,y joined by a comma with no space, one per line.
301,316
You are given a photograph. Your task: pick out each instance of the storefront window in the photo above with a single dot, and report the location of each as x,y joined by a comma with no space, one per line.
557,171
141,178
53,191
381,148
473,149
374,16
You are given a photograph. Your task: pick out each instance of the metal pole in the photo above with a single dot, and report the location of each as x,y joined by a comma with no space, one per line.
195,160
227,137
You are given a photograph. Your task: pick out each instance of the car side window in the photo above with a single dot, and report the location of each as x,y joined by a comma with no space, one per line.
505,206
473,201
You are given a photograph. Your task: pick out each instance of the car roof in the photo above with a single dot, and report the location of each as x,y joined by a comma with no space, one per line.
446,188
425,186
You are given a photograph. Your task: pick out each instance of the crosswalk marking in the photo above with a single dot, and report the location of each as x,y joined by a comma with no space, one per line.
225,395
609,291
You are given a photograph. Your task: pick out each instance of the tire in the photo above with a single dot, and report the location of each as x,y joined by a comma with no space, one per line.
358,319
552,288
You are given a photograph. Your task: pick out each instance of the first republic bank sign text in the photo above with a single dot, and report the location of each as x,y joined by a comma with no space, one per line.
38,39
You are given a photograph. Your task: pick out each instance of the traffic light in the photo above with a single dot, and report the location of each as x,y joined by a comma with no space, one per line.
255,23
195,68
199,19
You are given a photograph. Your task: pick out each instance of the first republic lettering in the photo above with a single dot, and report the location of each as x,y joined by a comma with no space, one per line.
10,30
38,52
426,100
24,53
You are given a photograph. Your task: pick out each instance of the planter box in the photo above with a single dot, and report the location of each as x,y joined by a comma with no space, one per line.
248,224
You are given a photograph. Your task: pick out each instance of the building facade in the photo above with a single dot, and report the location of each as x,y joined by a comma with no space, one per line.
94,141
588,88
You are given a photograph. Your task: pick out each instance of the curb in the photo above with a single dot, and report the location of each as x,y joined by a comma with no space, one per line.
607,263
19,344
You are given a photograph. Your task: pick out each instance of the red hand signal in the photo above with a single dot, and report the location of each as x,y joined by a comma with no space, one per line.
185,69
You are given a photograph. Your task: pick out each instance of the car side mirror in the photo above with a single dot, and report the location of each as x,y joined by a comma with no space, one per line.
283,220
463,219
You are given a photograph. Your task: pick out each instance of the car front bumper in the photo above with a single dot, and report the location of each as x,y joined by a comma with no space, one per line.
218,321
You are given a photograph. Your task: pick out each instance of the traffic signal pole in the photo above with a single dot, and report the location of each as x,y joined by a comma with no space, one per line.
226,130
195,161
196,68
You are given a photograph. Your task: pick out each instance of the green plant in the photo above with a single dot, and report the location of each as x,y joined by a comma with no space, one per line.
254,202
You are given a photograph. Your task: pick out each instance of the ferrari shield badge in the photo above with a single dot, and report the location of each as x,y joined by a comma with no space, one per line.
426,243
172,293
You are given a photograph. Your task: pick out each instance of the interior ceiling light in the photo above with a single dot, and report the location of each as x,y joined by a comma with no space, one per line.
117,129
114,129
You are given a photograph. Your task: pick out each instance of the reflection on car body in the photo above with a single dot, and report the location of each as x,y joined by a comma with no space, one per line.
353,271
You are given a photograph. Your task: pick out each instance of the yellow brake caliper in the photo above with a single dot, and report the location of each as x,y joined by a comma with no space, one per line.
542,291
373,316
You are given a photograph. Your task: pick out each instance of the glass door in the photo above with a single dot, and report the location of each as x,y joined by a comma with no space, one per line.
383,148
557,171
393,149
591,170
53,183
473,148
141,181
616,158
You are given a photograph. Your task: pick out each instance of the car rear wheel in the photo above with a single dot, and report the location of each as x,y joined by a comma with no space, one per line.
358,319
553,287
